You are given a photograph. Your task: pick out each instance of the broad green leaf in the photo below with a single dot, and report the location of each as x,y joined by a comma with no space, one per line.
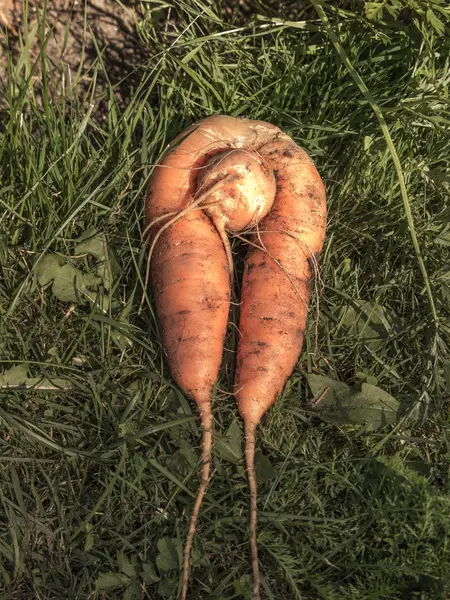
188,452
243,587
149,574
69,284
368,321
167,587
199,558
96,245
336,389
111,581
167,558
186,458
16,375
180,433
340,405
264,468
128,428
229,446
133,591
126,566
375,407
366,377
178,463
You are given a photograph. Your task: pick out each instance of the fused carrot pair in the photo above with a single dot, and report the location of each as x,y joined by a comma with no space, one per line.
232,175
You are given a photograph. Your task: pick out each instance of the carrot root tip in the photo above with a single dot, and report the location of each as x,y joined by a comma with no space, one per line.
251,473
204,481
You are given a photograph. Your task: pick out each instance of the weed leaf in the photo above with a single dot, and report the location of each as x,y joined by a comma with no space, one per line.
149,574
370,406
126,566
336,389
264,468
229,446
69,284
16,375
167,558
95,244
111,581
133,591
368,321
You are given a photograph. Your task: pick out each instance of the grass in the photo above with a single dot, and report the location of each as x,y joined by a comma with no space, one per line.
99,466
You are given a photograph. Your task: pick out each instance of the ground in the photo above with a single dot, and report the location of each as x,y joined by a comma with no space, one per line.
99,449
75,33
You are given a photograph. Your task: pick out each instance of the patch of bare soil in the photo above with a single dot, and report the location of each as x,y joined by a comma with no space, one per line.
76,31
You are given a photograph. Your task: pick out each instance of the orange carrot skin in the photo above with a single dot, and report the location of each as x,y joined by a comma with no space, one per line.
192,294
275,300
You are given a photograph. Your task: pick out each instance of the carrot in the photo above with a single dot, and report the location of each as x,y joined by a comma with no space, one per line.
276,289
208,183
217,177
